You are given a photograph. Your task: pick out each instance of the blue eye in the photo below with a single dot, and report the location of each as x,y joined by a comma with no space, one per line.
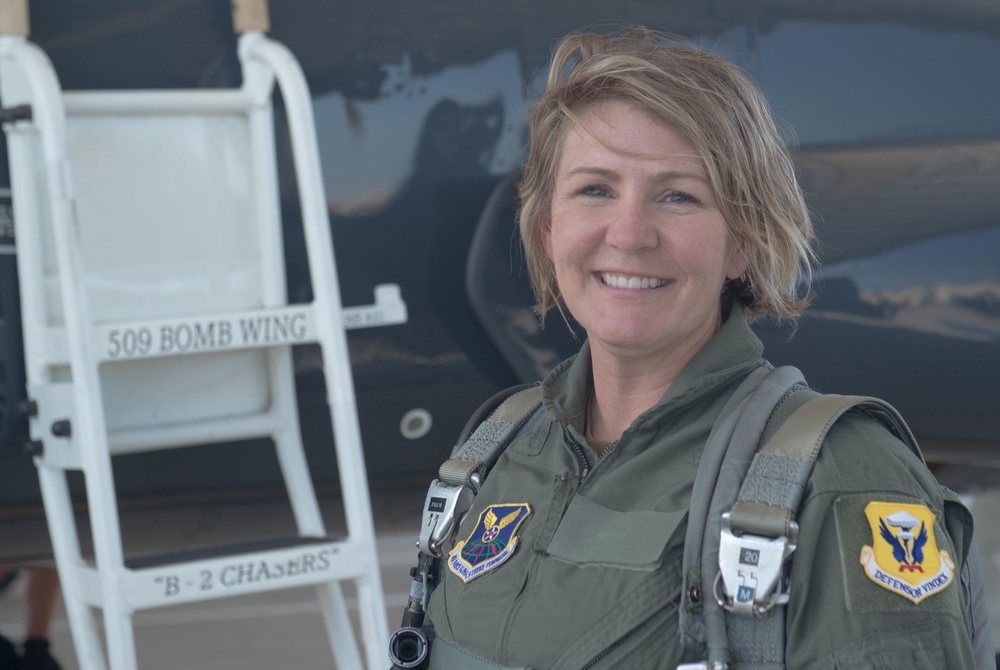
680,197
593,190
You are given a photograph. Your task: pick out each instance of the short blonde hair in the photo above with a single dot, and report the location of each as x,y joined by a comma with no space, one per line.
714,106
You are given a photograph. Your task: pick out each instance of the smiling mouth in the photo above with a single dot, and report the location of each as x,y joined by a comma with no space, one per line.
623,281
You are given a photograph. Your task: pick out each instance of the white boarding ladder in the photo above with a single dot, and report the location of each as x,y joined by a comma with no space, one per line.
155,316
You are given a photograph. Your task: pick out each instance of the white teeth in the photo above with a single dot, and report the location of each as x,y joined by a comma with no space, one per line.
620,281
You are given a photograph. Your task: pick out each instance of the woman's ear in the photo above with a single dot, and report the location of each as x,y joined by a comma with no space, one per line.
546,234
737,264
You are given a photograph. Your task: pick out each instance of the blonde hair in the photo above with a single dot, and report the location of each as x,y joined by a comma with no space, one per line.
714,106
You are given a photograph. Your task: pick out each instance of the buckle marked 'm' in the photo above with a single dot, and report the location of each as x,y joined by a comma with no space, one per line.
750,570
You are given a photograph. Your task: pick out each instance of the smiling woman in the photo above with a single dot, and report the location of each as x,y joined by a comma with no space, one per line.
660,210
731,144
641,253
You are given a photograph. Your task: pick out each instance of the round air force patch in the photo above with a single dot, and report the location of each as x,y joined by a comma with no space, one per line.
903,556
491,542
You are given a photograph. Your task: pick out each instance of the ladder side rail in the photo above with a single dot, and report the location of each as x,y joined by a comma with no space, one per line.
333,604
326,293
59,515
29,254
259,85
289,446
49,117
346,653
22,142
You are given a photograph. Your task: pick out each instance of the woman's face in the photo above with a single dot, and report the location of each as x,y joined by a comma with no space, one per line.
640,249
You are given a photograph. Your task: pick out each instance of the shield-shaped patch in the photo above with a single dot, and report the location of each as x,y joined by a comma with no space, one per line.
903,556
491,542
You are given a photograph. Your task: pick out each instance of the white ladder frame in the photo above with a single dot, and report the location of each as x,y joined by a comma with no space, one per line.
28,78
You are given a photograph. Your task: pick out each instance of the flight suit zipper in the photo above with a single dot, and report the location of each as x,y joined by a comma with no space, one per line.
619,642
622,640
568,491
580,455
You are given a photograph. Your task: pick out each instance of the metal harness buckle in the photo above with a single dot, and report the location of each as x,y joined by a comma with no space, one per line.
750,566
444,509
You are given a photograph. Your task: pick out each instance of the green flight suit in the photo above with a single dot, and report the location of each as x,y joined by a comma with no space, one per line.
594,578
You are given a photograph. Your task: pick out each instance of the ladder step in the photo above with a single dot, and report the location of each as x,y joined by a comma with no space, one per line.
230,331
56,402
249,329
225,571
230,550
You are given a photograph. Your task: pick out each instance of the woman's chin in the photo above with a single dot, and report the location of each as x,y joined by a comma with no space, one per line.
624,341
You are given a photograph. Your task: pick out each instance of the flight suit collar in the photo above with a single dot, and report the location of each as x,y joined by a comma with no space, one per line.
731,353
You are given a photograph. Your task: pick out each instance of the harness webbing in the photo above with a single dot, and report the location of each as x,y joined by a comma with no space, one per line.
769,499
479,453
730,448
772,405
777,477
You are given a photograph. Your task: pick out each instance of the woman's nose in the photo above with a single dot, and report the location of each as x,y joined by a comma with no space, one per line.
632,228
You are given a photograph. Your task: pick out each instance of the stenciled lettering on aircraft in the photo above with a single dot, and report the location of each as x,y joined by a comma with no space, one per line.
246,573
189,336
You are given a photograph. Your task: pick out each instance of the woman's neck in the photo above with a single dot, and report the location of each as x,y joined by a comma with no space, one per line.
624,388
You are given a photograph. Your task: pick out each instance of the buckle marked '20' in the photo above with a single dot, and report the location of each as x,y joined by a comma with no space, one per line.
750,570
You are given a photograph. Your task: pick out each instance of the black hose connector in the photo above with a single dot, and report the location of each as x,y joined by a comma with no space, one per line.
409,648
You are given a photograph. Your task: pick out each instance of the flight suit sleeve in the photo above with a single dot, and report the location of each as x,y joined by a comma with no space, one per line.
982,630
876,577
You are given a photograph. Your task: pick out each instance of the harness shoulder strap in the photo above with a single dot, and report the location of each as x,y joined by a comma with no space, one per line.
772,490
724,462
763,517
448,499
473,457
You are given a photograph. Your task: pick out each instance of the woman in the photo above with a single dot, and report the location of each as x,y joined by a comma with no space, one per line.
661,209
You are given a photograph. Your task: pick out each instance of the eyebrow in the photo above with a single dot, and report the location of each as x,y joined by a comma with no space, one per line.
658,177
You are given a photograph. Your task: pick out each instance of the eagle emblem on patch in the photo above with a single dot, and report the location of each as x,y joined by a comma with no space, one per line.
491,542
903,556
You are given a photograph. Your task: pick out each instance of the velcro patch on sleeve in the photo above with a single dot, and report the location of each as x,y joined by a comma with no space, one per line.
895,556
